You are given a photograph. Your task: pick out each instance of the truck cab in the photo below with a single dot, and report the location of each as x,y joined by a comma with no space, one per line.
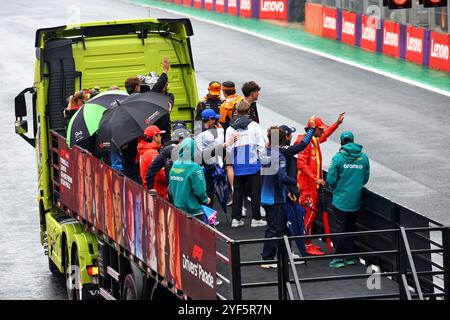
76,57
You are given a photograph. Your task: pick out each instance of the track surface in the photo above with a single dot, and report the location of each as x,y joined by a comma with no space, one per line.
403,128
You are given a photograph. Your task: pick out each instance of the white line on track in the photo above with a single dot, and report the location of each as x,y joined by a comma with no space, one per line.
305,49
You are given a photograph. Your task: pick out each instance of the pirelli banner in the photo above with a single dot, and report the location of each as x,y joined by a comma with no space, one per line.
167,241
370,33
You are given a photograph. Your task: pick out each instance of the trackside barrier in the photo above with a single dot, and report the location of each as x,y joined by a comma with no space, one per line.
407,42
259,9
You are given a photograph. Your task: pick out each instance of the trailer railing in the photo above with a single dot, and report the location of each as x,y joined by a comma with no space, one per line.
409,281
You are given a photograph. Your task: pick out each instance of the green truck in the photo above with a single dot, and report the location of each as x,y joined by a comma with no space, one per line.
68,59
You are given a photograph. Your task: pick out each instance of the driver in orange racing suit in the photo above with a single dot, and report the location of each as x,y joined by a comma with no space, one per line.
309,164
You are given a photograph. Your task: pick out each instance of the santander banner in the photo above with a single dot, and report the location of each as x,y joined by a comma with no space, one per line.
220,6
369,33
329,23
391,38
273,9
439,51
209,5
245,8
348,34
415,44
232,7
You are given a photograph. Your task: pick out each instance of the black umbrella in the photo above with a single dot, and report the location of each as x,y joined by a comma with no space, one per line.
128,120
84,123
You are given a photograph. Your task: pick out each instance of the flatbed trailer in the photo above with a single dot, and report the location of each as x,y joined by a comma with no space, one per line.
406,259
113,239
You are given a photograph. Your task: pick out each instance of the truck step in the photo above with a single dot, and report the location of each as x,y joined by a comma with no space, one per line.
105,294
113,273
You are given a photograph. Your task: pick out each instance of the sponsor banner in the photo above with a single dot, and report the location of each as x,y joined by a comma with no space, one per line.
198,4
349,26
439,51
219,5
245,8
391,38
164,239
232,7
198,262
187,3
208,5
313,18
369,33
415,44
329,22
273,9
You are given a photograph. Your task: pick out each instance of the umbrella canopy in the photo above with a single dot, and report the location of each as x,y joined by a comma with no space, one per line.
128,120
106,99
84,123
295,215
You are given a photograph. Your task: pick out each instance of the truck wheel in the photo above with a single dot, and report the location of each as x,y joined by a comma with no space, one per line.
52,267
73,276
129,288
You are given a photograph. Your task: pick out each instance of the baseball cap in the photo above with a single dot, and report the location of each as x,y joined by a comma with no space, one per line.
152,131
318,123
228,84
179,131
347,136
287,129
214,88
210,114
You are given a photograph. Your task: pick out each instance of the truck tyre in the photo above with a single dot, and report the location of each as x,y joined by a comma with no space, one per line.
129,291
52,267
73,277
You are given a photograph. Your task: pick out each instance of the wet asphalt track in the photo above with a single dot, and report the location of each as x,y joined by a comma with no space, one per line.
404,129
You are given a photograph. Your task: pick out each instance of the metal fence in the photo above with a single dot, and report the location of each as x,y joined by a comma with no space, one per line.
436,19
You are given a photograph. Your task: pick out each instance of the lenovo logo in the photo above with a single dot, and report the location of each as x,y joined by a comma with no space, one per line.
368,34
329,22
413,44
272,6
246,5
390,39
348,28
439,51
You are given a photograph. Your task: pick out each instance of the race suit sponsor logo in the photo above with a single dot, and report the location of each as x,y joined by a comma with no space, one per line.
348,28
368,34
390,38
439,51
413,44
193,265
272,6
353,166
329,22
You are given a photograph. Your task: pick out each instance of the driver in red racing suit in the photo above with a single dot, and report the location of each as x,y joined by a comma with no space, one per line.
309,164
